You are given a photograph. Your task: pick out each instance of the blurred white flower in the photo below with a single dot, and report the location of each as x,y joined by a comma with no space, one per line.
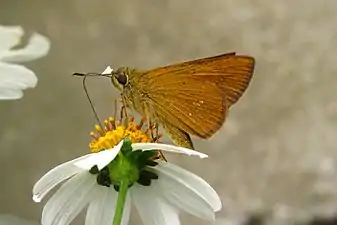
175,190
15,78
9,219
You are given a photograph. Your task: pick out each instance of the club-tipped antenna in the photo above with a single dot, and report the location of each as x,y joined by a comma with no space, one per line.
90,102
92,75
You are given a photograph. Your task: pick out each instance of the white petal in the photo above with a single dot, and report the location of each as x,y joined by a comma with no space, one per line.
54,177
14,79
152,208
101,209
9,37
37,47
168,148
69,200
108,70
191,192
10,94
99,159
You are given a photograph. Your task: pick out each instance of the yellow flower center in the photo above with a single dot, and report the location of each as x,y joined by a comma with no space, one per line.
114,131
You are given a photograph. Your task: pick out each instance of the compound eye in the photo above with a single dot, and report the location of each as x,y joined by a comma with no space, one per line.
122,78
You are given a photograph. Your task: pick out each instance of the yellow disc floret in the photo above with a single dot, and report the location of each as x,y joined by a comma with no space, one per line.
114,131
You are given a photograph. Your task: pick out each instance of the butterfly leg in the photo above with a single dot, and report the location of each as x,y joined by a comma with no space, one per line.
156,127
124,106
124,116
155,136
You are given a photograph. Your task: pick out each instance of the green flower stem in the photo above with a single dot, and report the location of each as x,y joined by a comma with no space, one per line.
123,188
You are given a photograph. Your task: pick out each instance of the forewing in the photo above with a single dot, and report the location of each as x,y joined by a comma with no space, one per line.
192,105
230,72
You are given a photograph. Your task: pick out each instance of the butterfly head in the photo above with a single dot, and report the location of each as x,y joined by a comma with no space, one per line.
120,77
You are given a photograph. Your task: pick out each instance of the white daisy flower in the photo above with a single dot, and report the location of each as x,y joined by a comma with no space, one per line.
15,78
159,200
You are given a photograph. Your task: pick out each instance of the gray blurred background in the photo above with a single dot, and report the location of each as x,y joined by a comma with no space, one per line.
275,158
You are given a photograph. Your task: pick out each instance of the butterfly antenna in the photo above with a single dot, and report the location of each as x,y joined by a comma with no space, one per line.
92,75
91,104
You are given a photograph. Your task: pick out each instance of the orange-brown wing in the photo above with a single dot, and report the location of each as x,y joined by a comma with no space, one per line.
195,106
230,72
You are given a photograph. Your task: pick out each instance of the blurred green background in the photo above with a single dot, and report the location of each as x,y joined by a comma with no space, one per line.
275,156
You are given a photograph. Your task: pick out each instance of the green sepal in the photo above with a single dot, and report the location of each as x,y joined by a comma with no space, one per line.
126,147
144,158
144,180
123,168
94,170
147,154
128,166
116,187
134,155
151,163
149,174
